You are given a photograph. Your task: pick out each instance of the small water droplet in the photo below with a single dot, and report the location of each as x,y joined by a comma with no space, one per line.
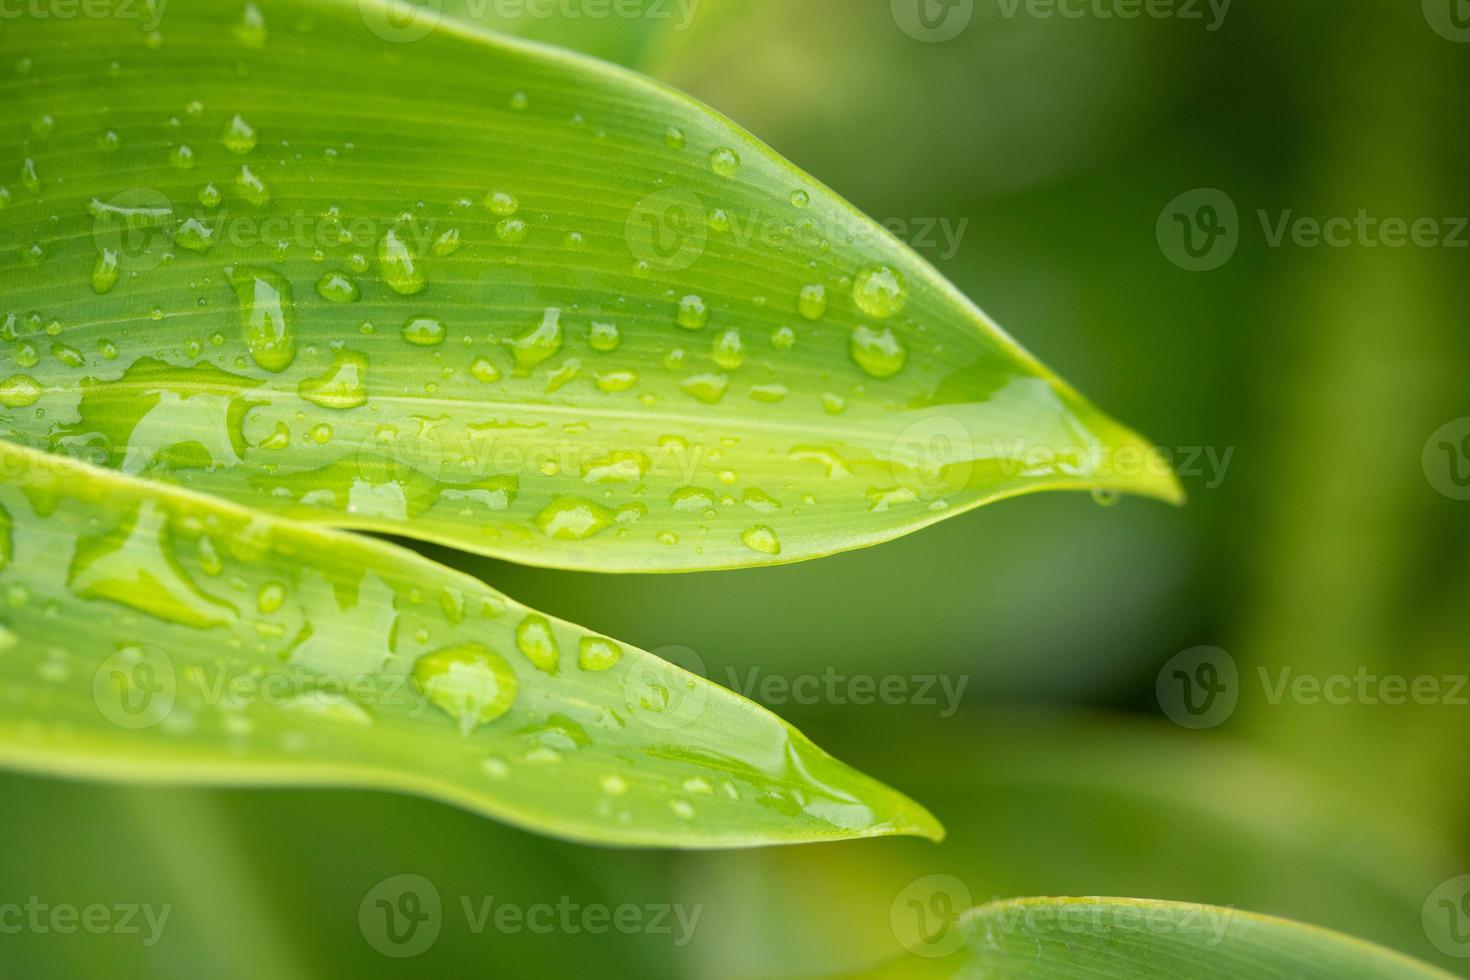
239,135
674,138
604,337
104,271
399,268
761,538
343,386
335,287
708,388
878,352
729,352
19,391
502,203
535,639
812,302
725,162
424,331
250,29
539,343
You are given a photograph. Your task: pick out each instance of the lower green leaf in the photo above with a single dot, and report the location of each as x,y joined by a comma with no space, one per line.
153,633
1127,939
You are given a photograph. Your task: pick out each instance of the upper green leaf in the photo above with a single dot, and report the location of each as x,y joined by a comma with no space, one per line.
487,294
1128,939
153,633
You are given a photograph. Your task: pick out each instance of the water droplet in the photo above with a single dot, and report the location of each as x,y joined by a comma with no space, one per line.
209,196
511,231
69,356
19,391
27,356
424,331
104,271
250,29
682,808
538,344
758,500
534,638
343,386
597,653
335,287
240,136
519,101
693,315
729,353
674,138
878,352
502,203
471,683
1106,498
800,199
613,785
604,337
400,269
29,179
270,598
194,235
573,519
708,388
879,291
321,433
613,382
447,243
783,338
692,499
624,466
812,302
182,157
725,162
266,315
761,538
484,370
252,188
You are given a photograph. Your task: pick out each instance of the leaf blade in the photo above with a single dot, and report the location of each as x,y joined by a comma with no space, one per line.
510,219
1140,939
162,635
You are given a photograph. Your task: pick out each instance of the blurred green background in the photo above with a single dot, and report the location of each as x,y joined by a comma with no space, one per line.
1048,147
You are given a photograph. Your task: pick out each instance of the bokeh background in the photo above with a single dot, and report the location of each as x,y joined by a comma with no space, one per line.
1323,540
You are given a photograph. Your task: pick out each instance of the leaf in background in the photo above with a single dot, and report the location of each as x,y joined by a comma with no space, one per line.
489,295
159,634
1140,939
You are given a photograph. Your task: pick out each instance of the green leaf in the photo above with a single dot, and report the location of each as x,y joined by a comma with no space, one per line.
158,634
487,294
1132,939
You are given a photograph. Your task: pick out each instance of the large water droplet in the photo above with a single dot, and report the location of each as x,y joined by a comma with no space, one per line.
597,653
342,387
400,270
574,519
879,291
266,314
539,343
471,683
